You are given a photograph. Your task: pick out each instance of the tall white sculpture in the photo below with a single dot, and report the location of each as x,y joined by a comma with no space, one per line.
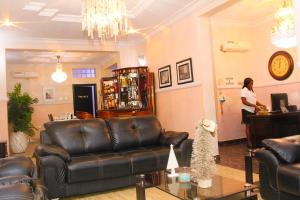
203,161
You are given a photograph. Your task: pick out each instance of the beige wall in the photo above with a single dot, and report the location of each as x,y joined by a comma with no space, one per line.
3,98
63,99
181,107
239,65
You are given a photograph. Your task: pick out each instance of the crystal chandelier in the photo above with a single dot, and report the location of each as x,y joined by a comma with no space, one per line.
107,17
283,33
59,75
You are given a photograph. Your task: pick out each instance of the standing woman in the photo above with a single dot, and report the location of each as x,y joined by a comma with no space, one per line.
250,105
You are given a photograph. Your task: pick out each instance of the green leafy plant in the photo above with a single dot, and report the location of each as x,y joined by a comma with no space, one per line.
20,110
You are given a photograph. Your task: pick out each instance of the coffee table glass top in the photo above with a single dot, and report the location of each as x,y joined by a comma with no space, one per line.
222,187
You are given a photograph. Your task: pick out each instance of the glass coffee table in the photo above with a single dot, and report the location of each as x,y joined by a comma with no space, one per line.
222,188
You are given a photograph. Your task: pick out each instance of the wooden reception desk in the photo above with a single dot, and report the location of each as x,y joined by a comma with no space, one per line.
273,125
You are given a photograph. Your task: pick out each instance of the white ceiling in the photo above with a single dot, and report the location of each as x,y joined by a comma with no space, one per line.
146,16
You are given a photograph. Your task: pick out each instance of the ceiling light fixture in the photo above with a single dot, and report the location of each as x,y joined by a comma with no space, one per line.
7,23
283,33
59,75
107,17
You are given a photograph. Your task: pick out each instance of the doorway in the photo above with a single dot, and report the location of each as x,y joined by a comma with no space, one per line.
85,98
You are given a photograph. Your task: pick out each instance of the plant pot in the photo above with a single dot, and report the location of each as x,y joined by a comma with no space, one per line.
18,142
204,183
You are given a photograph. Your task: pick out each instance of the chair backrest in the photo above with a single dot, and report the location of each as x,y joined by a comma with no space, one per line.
83,115
50,116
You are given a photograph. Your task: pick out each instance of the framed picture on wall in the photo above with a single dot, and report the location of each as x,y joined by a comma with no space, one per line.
164,76
184,71
48,94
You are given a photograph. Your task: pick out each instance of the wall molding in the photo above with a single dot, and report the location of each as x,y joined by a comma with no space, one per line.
242,23
184,11
179,87
262,85
97,44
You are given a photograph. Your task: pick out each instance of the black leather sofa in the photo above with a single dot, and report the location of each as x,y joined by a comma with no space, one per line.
279,168
17,180
84,156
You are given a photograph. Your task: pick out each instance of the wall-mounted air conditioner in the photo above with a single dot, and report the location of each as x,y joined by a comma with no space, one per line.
25,74
235,46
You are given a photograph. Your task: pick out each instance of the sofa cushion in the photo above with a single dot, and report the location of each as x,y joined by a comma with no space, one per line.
134,131
162,155
289,179
172,137
90,167
148,129
80,136
16,165
142,160
123,133
287,148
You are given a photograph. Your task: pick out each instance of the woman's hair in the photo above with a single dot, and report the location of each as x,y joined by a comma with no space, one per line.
247,81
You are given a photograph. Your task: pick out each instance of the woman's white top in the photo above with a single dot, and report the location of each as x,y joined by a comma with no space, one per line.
250,97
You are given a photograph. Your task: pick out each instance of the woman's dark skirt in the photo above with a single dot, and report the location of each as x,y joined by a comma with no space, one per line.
245,116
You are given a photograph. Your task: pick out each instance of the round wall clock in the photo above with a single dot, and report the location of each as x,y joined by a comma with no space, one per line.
281,65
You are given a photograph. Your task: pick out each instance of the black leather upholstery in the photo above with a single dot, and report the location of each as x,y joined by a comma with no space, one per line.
279,168
16,181
133,132
101,166
23,191
17,165
287,149
172,137
45,150
123,133
83,156
80,136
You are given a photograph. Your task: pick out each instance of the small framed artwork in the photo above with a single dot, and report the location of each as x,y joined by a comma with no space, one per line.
184,71
49,94
164,76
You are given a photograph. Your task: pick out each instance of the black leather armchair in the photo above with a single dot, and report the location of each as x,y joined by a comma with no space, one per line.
279,168
92,155
17,180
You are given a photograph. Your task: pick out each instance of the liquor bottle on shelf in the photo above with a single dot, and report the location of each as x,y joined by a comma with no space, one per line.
130,92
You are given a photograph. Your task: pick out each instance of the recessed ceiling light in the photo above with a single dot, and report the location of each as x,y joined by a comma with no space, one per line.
34,6
48,12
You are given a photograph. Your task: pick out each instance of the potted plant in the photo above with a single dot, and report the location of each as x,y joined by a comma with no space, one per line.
19,117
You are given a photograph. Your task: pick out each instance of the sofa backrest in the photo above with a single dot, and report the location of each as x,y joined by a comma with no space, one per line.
134,131
80,136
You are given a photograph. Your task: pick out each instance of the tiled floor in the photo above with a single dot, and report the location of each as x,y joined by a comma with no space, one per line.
233,155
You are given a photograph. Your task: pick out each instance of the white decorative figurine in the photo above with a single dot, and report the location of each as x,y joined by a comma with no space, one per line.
172,162
203,162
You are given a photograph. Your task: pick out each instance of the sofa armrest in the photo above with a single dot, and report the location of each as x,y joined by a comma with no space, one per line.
268,166
46,150
186,152
7,180
52,171
172,137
